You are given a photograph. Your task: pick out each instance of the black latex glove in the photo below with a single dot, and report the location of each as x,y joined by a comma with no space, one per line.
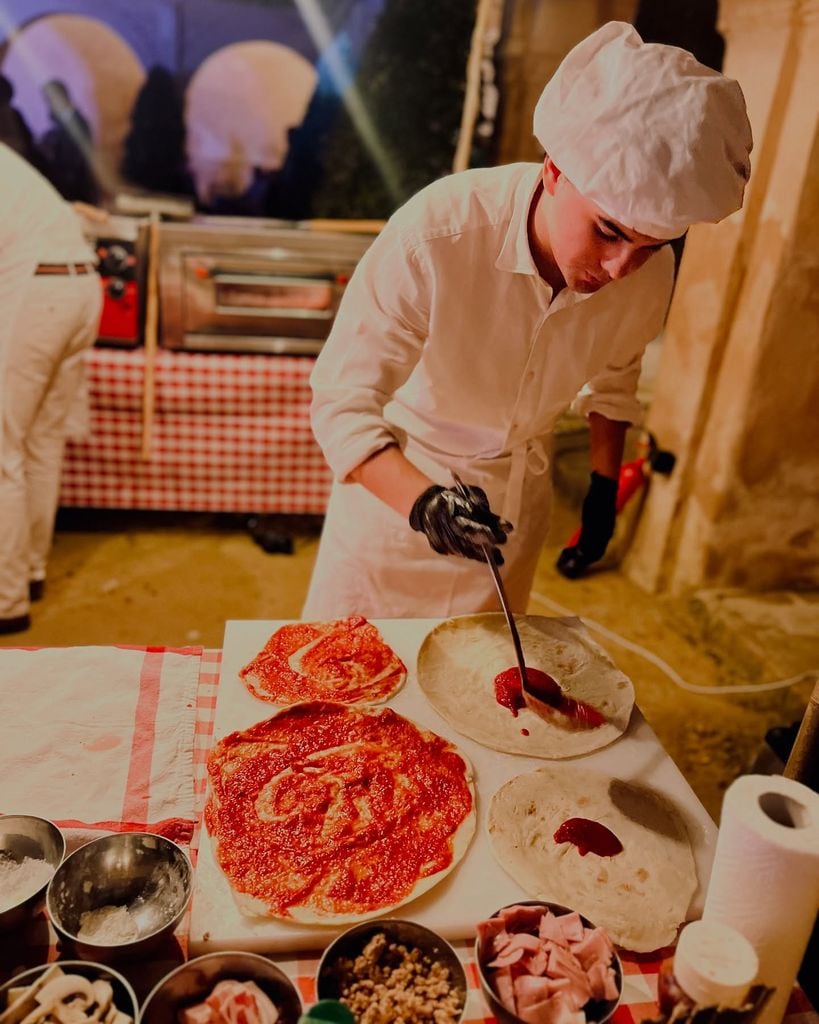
598,519
459,526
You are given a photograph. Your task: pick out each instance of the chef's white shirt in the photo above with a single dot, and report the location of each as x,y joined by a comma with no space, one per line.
447,333
36,224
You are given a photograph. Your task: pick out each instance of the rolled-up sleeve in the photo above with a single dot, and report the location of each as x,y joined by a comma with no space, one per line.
612,391
376,341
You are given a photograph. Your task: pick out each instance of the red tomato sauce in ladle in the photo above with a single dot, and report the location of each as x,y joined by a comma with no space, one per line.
509,694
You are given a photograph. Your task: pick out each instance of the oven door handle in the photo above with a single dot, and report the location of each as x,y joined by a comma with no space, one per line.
324,310
286,281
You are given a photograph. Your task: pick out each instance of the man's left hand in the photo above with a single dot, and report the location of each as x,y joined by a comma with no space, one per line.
598,519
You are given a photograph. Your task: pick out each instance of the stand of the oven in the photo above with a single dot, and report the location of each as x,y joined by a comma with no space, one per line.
231,433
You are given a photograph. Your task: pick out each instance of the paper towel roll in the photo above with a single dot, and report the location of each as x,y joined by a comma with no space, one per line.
765,877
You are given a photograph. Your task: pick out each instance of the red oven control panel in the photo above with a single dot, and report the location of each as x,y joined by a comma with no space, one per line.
121,322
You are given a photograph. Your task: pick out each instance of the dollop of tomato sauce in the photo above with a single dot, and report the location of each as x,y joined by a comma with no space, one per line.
341,810
509,694
589,837
508,691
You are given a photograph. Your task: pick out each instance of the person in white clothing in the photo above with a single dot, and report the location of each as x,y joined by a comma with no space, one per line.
50,302
490,302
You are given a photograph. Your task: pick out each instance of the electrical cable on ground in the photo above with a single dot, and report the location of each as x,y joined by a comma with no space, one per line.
663,666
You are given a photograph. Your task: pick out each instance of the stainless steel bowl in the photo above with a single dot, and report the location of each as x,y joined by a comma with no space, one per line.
195,980
24,835
147,874
124,996
331,977
596,1011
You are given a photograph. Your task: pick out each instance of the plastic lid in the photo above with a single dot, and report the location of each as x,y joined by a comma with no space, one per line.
327,1011
714,965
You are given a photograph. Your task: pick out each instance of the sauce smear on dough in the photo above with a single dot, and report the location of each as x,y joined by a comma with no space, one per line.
589,837
336,809
508,694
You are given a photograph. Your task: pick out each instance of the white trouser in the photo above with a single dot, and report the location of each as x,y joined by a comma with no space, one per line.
56,321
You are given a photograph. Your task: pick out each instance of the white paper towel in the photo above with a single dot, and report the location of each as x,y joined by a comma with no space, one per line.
765,878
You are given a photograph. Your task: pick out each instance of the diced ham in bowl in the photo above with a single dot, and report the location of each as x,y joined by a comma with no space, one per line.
541,963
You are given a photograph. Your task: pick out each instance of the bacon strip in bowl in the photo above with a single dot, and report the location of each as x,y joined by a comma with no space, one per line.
541,963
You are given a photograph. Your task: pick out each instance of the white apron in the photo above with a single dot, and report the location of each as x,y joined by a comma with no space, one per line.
372,563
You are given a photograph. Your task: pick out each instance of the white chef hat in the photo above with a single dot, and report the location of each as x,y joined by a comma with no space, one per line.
656,139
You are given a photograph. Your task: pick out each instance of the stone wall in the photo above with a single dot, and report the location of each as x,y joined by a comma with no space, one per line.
737,395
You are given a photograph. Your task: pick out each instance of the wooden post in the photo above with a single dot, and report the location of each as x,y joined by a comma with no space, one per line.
803,764
472,98
151,338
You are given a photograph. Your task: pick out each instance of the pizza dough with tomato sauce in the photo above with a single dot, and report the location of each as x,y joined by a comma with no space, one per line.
329,814
641,894
460,658
346,661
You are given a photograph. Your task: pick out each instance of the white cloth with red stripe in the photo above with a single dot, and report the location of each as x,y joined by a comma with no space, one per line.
100,739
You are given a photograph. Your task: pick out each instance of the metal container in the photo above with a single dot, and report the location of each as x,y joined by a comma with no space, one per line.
596,1011
25,835
195,980
330,978
246,284
125,998
148,874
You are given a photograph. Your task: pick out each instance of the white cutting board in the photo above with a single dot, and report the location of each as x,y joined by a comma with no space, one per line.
478,885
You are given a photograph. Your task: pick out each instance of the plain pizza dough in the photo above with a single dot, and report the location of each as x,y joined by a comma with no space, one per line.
641,895
458,662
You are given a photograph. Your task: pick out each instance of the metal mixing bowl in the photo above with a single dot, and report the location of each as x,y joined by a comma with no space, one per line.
124,996
193,981
597,1011
331,977
25,835
148,874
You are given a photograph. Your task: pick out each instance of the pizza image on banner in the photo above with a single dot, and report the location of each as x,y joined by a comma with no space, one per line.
346,661
330,814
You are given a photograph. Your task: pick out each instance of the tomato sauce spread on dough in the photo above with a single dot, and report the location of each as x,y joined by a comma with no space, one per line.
589,837
509,694
334,809
346,661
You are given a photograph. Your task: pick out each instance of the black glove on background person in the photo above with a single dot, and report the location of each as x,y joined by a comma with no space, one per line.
598,519
458,526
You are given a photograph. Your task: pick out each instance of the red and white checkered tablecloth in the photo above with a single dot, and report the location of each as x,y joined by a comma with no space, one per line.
38,944
231,433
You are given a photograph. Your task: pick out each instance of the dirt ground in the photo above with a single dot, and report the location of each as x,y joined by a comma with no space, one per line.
174,578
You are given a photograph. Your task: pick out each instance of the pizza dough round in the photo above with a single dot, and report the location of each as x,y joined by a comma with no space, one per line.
330,814
458,662
346,661
640,895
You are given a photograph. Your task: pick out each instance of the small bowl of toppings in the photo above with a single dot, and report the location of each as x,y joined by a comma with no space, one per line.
222,988
31,849
541,962
119,895
389,970
70,992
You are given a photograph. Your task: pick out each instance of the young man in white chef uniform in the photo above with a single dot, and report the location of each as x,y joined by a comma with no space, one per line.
490,302
50,302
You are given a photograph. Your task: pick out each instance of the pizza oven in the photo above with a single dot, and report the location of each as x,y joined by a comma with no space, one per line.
230,284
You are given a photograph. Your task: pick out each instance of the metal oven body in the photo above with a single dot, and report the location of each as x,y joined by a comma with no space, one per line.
249,285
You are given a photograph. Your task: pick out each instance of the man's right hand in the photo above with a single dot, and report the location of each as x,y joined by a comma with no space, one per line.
456,525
